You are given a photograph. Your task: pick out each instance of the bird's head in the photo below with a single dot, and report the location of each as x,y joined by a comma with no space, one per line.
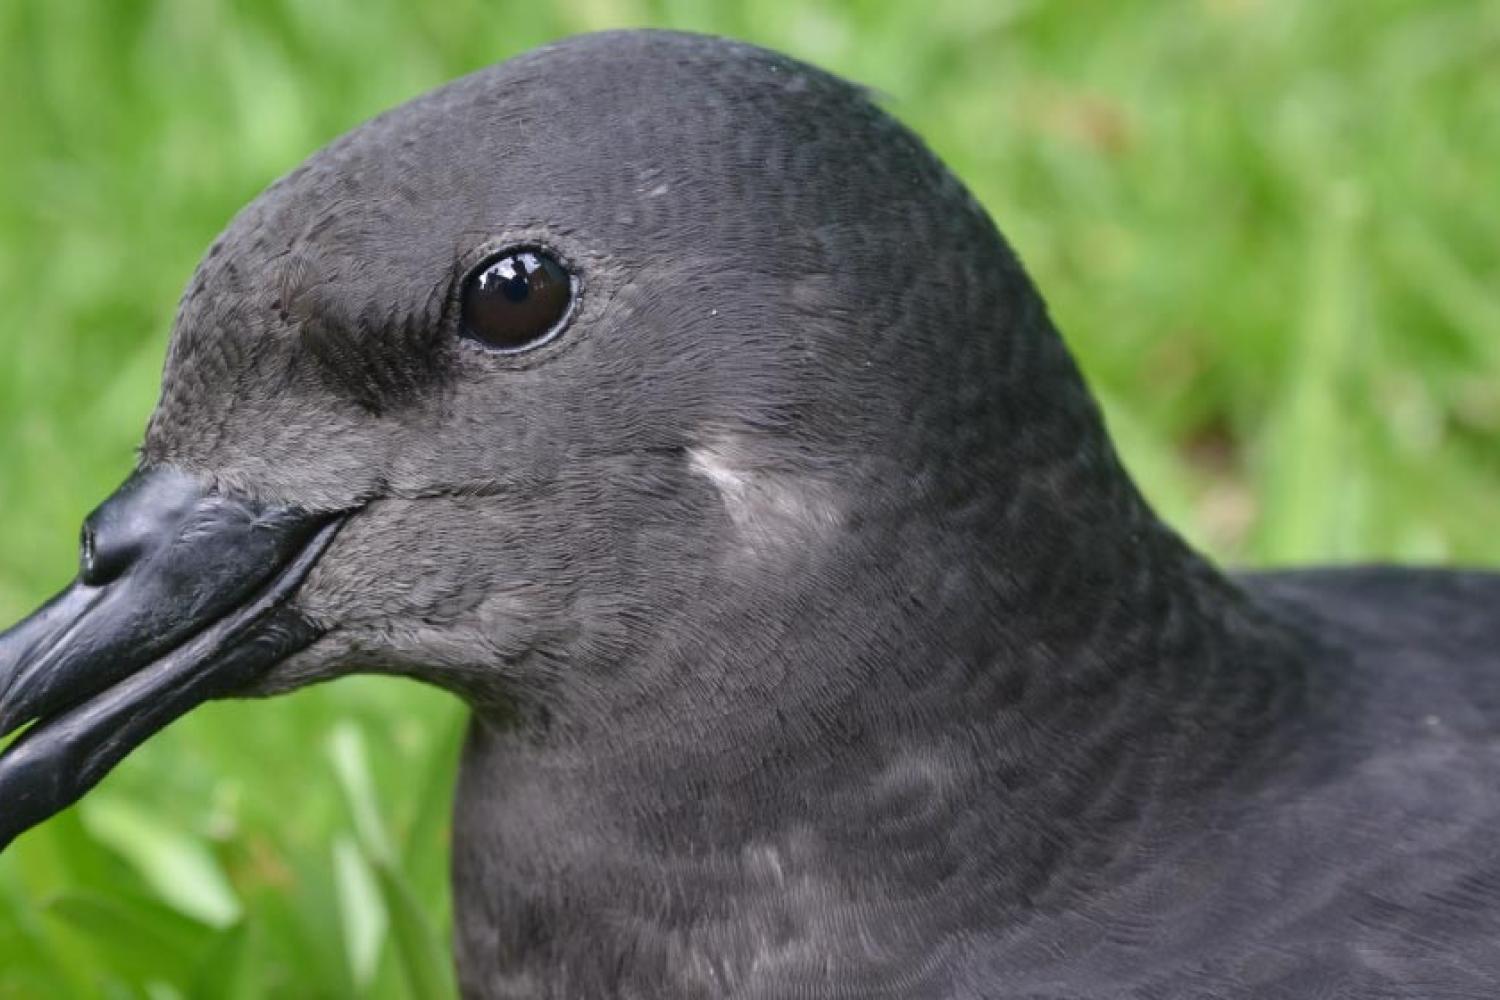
498,385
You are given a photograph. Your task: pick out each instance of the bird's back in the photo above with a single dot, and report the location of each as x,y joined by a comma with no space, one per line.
1367,866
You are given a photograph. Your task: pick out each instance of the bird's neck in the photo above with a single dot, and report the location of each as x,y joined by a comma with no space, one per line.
1099,660
1096,637
944,705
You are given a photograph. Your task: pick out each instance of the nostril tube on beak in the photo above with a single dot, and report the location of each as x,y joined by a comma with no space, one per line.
102,562
89,570
148,510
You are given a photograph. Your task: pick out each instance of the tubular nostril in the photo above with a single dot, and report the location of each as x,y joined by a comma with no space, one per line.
142,515
106,548
99,565
87,554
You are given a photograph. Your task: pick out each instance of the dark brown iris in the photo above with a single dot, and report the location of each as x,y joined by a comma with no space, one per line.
517,300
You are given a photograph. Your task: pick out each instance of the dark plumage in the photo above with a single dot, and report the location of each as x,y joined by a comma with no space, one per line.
818,643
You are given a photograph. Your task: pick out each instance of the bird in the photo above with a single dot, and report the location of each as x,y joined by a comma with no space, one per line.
673,405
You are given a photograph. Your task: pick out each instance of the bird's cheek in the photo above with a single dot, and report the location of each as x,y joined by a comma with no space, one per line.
478,652
390,615
397,559
326,659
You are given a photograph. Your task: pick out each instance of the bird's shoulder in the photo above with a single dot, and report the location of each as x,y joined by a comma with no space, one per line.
1367,864
1373,867
1420,646
1427,613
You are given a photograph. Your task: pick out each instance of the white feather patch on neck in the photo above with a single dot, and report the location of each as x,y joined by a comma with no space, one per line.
771,509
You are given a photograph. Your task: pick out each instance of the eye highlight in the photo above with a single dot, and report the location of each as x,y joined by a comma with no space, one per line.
517,300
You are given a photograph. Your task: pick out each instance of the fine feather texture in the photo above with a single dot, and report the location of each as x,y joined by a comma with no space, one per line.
818,642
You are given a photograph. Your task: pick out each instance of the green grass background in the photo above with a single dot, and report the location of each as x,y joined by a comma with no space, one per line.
1269,229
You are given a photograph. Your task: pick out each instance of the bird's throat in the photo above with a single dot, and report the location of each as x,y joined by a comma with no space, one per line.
835,755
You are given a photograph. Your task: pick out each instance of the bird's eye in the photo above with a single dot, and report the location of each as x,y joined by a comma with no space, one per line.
516,300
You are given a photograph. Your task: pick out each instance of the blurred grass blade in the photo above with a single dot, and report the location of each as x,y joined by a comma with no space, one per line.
228,970
361,910
179,867
424,961
140,936
1433,273
1306,513
346,750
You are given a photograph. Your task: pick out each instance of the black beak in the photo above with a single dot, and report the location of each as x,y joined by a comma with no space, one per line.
181,597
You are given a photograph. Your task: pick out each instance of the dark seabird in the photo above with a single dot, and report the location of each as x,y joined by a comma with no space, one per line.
677,408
